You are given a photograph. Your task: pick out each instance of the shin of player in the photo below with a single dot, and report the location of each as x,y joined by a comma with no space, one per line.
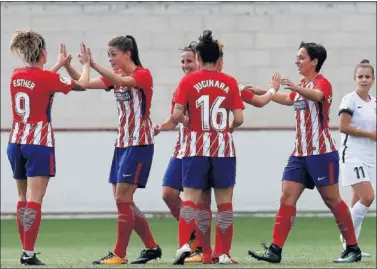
358,142
31,148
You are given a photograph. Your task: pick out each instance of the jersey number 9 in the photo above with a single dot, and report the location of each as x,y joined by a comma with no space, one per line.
22,105
214,116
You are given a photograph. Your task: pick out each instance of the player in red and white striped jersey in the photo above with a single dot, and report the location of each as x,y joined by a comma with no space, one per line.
31,145
208,152
134,148
315,160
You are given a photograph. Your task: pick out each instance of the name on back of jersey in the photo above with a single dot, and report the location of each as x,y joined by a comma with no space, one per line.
299,105
23,83
123,96
208,83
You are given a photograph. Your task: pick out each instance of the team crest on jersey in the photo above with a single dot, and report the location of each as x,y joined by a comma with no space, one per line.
65,80
300,105
123,95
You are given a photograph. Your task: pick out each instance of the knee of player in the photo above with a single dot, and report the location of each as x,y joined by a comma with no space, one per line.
288,199
168,195
367,199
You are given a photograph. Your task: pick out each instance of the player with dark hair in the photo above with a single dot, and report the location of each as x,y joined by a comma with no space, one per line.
208,152
314,161
134,148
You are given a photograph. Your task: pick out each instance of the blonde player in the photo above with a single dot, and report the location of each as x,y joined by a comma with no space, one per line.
358,144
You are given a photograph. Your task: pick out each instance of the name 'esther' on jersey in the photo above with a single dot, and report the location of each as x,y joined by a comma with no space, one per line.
208,96
312,120
32,92
134,123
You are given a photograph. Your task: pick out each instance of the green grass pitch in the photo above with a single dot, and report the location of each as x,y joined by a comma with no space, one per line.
313,243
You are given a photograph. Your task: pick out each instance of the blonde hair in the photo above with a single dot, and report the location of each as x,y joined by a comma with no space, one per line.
27,45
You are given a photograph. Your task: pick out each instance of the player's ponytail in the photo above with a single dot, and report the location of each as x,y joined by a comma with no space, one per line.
134,51
364,63
27,45
208,48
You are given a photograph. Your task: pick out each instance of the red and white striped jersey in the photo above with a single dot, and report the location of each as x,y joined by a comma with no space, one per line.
134,123
32,92
312,120
209,96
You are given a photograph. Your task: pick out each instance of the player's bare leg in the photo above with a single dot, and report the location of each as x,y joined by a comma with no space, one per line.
36,189
187,223
284,220
362,198
330,195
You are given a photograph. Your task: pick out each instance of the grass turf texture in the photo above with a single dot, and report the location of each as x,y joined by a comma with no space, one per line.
313,243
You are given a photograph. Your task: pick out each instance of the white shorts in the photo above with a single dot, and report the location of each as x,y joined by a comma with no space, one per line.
353,173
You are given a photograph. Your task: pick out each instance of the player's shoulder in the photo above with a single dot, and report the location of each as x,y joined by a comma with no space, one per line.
320,79
228,77
143,71
373,98
350,96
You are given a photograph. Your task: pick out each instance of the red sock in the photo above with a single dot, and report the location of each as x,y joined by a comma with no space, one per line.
20,220
186,222
32,221
203,227
224,228
126,223
344,221
284,222
175,206
142,228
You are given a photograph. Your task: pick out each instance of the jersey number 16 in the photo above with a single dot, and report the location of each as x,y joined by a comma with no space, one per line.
214,116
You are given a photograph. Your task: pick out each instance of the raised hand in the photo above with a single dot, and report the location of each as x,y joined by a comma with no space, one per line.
288,84
64,59
275,81
83,57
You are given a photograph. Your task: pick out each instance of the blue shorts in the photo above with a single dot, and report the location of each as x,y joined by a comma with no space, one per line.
31,160
315,170
204,172
173,174
132,165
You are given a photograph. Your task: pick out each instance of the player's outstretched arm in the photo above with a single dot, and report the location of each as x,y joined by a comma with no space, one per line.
279,97
262,100
63,59
346,128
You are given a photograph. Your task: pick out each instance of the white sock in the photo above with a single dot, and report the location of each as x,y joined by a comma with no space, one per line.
358,213
29,253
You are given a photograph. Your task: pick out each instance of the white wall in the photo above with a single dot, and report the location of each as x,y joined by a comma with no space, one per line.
260,38
83,163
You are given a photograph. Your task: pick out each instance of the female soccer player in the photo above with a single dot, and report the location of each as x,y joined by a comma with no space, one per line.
172,182
358,144
133,153
31,148
208,152
314,161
